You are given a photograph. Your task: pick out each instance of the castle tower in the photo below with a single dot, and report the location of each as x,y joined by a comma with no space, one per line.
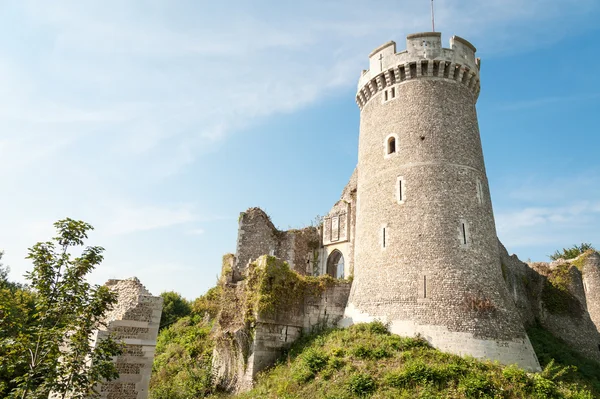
426,253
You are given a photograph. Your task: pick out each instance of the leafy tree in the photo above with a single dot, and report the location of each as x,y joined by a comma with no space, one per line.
55,348
3,271
17,307
174,308
573,252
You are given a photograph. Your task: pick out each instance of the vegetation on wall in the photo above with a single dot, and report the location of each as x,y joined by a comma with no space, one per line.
572,252
273,286
556,295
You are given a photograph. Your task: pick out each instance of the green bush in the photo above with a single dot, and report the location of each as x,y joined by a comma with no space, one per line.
572,252
477,386
361,385
315,360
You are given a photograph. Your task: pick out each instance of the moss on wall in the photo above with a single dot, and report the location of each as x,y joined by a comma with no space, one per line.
272,286
556,295
580,261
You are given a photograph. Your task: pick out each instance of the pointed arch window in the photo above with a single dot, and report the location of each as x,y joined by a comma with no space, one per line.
335,264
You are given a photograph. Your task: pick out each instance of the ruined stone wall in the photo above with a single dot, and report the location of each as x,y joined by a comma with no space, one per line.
591,281
251,338
258,236
134,321
555,296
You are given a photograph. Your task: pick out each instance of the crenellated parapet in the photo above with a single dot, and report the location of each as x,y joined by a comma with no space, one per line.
424,58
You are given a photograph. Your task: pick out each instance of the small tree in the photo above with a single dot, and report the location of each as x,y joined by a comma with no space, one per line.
57,348
174,308
573,252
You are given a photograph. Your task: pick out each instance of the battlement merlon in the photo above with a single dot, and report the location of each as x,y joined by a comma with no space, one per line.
425,46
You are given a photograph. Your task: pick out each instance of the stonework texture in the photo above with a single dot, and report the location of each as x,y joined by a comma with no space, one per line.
249,339
569,315
258,236
134,321
439,273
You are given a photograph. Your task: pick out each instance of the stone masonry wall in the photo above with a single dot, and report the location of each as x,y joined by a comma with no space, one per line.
134,320
591,281
437,272
555,296
258,236
249,340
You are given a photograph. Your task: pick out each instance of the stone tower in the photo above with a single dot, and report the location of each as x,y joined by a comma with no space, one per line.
426,255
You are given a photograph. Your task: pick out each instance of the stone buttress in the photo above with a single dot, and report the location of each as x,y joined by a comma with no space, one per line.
134,321
426,256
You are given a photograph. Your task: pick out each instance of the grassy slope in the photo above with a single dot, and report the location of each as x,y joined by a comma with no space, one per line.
366,361
548,348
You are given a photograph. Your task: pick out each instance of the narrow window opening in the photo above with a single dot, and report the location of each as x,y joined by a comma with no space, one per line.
447,70
391,145
384,237
424,286
392,77
436,68
386,95
393,92
456,72
466,76
424,68
400,191
464,233
479,192
402,73
413,70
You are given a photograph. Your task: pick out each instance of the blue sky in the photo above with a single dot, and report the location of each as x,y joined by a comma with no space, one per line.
159,121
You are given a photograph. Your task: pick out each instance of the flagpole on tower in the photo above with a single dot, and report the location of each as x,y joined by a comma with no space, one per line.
432,18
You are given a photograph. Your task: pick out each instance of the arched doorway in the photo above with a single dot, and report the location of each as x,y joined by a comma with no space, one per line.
335,264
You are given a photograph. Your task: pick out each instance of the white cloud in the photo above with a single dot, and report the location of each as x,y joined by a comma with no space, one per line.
566,212
131,219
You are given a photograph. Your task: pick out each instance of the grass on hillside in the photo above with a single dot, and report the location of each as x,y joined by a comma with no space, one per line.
366,361
550,348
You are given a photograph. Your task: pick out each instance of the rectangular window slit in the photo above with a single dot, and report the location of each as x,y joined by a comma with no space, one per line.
399,190
424,286
384,237
393,92
464,233
386,95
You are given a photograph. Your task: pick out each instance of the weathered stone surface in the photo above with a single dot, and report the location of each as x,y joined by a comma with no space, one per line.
134,320
258,236
570,319
438,273
250,339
